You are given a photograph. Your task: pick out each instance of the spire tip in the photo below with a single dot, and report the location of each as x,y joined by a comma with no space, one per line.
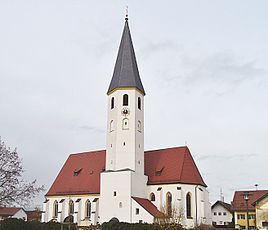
126,18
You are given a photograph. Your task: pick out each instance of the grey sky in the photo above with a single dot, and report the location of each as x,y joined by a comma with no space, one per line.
203,65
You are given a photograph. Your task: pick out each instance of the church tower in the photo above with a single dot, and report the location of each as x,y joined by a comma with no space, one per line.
125,132
124,177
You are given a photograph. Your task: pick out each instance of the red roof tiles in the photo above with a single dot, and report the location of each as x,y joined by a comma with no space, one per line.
6,211
149,207
174,165
239,203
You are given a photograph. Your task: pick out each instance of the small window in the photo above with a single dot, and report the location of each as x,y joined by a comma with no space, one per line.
215,214
125,100
139,126
114,193
219,213
124,143
224,213
120,204
139,103
251,216
111,125
152,197
112,103
125,124
77,171
137,211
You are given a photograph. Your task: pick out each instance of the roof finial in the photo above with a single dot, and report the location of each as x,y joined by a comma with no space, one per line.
126,18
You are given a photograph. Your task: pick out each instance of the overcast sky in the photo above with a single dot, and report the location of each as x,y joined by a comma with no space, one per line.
203,64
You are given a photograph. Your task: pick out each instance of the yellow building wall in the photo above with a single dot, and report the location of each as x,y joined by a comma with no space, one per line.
243,222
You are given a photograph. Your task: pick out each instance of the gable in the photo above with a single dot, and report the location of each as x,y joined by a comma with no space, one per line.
81,172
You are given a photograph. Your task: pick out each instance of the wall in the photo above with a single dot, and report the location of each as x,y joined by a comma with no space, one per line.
262,213
201,210
63,209
221,219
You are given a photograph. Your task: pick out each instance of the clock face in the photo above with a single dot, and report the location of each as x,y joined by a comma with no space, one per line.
125,111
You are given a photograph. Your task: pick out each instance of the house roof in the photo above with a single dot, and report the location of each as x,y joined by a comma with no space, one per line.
8,211
126,73
239,204
260,199
225,205
164,166
149,207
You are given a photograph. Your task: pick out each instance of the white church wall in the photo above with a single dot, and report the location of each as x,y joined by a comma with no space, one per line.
115,198
200,207
139,214
63,208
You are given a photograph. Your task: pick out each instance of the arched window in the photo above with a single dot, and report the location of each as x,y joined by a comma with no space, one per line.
88,208
55,209
111,125
188,205
152,197
169,204
139,103
125,100
71,207
125,123
112,103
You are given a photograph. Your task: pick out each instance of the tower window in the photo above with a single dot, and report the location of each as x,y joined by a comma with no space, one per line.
114,193
137,211
139,126
125,100
111,125
139,103
112,103
125,124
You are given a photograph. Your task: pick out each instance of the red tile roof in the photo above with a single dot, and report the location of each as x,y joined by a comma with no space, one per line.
7,211
239,204
175,165
149,207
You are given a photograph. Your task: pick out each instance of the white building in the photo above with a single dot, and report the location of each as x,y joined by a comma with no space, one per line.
11,212
221,213
124,182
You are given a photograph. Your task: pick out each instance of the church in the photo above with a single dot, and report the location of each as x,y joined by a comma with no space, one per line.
124,182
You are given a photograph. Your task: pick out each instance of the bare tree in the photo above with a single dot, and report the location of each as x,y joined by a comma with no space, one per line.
13,189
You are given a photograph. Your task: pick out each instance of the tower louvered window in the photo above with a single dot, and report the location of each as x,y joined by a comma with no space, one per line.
125,100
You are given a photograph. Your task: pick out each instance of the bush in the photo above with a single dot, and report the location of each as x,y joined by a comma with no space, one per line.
18,224
139,226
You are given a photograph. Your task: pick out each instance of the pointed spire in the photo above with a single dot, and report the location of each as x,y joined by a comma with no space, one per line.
126,73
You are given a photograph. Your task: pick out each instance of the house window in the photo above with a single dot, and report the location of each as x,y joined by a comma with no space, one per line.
112,103
137,211
251,216
219,213
251,228
139,103
242,227
120,204
114,193
215,214
241,216
152,197
169,204
125,100
224,213
55,209
188,205
71,207
88,209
